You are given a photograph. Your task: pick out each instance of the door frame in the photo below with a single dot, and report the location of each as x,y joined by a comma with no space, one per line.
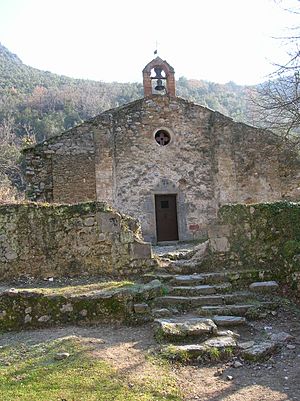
175,195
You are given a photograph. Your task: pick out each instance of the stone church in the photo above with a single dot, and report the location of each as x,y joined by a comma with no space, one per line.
164,160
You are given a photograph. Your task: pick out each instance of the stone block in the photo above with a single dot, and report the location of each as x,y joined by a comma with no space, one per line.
260,351
141,308
229,320
264,286
108,222
218,231
141,250
197,327
219,244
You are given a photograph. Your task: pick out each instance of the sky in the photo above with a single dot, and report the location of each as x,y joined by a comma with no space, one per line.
112,40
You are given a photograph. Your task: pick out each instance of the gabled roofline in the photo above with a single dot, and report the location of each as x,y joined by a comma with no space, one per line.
158,62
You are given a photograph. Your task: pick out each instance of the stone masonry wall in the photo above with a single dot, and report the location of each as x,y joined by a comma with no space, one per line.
62,169
40,307
247,163
38,240
210,161
143,168
263,236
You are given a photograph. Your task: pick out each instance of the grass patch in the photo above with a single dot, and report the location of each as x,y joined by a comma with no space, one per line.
31,373
110,286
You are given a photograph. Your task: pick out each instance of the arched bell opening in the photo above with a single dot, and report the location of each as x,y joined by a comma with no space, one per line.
158,78
158,81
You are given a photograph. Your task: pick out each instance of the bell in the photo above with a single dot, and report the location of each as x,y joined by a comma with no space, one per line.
159,86
158,71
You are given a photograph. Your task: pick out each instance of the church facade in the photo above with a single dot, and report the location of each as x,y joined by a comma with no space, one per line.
164,160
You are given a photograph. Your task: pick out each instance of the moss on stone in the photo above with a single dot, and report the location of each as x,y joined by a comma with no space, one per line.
291,248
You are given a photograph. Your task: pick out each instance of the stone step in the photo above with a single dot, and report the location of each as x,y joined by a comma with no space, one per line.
260,351
194,301
204,289
198,279
215,348
183,328
264,286
236,278
235,310
162,313
228,321
221,347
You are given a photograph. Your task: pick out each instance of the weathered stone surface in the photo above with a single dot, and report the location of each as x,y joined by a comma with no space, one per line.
281,337
263,235
227,333
141,308
246,344
39,240
260,351
44,318
61,355
264,286
66,308
162,312
220,244
220,342
192,290
229,320
39,308
191,301
191,350
214,348
236,310
141,250
27,319
197,327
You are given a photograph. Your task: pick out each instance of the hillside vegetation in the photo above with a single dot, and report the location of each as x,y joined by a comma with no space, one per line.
35,105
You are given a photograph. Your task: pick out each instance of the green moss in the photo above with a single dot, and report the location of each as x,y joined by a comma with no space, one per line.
214,353
262,237
291,248
172,353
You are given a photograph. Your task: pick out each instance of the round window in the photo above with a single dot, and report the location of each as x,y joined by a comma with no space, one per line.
162,137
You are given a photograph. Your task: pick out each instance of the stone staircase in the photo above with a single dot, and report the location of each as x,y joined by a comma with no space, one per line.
209,315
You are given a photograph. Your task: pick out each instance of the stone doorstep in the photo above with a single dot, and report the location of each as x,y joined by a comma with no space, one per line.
202,300
183,328
264,286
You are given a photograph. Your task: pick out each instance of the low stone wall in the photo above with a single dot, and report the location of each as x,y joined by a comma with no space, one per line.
24,308
42,240
258,236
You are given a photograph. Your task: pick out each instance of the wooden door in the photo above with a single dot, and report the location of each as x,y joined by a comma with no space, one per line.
166,218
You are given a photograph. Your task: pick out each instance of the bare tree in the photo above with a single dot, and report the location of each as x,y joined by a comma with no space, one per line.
277,101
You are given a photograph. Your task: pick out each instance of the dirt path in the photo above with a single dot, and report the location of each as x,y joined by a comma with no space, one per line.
277,379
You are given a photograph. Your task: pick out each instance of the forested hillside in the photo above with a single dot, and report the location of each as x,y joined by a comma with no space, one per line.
38,104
